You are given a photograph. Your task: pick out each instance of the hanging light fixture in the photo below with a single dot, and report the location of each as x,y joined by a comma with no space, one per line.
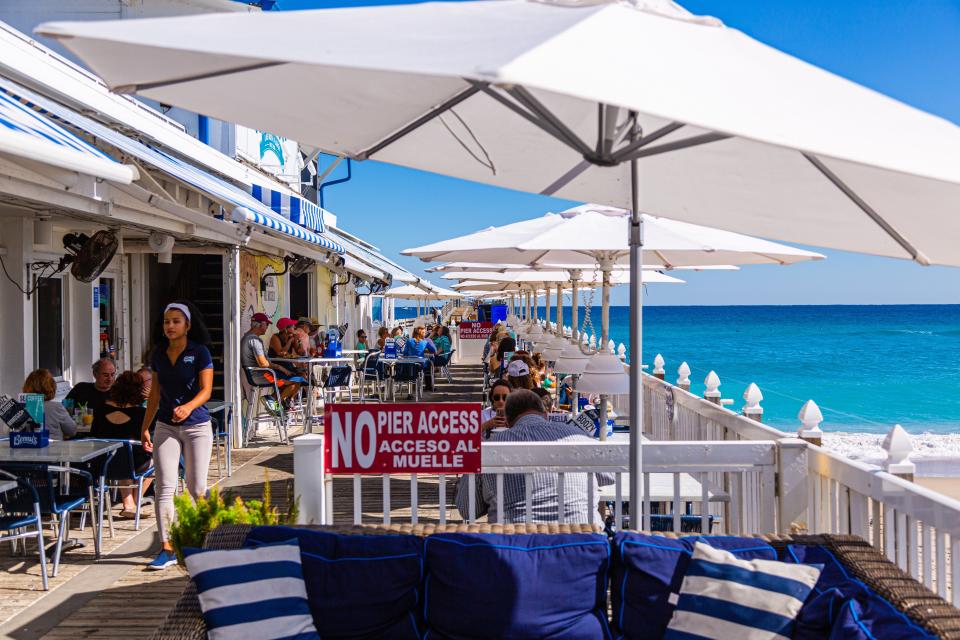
572,360
554,349
604,374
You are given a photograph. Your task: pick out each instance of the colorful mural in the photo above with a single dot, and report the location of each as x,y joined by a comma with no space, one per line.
252,300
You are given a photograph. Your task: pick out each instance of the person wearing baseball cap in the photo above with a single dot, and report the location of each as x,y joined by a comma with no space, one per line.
252,355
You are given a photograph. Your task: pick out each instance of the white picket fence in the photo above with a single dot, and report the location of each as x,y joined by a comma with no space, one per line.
728,484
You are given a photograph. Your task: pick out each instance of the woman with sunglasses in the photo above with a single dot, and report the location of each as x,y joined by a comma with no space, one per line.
492,417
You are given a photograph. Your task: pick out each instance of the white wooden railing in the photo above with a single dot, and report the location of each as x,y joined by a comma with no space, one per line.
914,527
731,484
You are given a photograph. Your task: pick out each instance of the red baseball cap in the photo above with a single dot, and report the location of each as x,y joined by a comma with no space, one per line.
283,323
260,317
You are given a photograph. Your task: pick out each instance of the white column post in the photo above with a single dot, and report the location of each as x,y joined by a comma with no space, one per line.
575,276
606,265
546,306
232,332
308,479
792,489
558,329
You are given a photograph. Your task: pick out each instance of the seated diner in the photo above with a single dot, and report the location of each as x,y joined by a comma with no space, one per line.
93,394
55,416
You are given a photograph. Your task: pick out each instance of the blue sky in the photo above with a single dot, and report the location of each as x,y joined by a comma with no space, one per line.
908,50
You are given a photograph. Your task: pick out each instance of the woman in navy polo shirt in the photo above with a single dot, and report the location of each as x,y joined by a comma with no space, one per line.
183,379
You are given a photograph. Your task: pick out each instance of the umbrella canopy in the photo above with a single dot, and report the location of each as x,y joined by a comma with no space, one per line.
525,282
559,97
619,276
410,292
584,234
469,267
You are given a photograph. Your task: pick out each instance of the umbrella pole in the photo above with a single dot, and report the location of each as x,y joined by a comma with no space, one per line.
636,350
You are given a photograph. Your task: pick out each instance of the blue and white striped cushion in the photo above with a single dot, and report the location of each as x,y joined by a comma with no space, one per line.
252,593
725,597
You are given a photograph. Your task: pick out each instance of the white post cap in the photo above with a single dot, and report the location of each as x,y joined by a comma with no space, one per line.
752,398
658,363
712,381
899,446
683,374
810,418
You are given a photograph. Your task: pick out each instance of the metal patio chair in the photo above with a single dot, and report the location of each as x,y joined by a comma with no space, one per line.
259,405
21,509
371,372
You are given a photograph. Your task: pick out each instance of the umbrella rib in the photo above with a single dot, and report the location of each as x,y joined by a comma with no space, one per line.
686,143
473,89
663,259
867,209
522,112
566,178
134,88
535,106
624,153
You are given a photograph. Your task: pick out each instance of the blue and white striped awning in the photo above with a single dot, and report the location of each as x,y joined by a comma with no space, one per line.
232,196
291,206
24,133
278,223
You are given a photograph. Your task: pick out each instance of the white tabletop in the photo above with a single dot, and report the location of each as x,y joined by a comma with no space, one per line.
74,451
7,485
313,360
354,352
661,488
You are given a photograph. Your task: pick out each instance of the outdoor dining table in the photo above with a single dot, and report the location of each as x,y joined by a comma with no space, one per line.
66,452
392,363
310,363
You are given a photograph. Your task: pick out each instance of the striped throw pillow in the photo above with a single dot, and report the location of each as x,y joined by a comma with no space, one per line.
256,592
724,597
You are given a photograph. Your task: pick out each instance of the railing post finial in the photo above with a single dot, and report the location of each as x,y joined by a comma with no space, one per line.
622,352
712,392
611,347
810,418
658,370
751,399
899,446
683,376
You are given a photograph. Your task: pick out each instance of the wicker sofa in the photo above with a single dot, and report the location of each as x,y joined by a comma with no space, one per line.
858,558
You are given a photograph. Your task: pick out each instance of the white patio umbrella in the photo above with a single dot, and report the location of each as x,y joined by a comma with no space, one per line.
412,291
633,104
503,268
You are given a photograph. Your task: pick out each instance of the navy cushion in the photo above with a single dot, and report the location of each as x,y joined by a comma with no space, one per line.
358,586
516,586
842,607
648,571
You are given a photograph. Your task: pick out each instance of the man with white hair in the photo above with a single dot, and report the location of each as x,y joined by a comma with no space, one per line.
252,356
93,395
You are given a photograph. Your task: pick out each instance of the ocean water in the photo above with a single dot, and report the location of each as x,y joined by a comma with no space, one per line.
867,367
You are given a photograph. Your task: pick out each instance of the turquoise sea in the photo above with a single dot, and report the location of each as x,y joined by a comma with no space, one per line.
867,367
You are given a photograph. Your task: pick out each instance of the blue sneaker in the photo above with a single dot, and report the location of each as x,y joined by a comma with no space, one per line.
163,560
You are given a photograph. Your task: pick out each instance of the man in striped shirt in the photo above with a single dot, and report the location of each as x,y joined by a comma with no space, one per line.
528,423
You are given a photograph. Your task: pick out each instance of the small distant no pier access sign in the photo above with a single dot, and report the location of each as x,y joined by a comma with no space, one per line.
428,438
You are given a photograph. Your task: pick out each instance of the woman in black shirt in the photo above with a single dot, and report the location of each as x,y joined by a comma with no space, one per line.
120,418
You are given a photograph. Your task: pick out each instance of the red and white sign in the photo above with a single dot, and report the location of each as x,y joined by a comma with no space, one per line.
475,330
440,437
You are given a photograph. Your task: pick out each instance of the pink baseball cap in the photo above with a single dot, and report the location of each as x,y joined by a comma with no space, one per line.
283,323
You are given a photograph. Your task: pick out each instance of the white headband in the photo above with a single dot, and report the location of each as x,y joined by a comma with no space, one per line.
182,308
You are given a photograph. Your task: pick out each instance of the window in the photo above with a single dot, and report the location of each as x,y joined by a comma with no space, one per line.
377,311
49,323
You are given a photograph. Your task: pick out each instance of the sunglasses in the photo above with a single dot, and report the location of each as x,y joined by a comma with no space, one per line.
499,397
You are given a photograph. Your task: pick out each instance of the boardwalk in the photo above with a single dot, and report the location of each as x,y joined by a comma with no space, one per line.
116,598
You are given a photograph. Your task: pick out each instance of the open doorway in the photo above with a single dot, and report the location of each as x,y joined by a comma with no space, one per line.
300,296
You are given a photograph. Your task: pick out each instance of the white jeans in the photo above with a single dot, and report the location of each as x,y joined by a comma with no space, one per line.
195,443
